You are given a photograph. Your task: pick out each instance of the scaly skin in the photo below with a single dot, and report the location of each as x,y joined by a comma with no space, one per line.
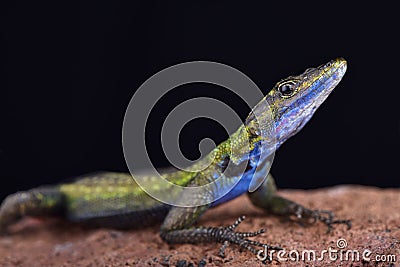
116,200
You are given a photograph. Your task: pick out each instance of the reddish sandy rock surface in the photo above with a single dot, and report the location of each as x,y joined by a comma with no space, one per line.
376,227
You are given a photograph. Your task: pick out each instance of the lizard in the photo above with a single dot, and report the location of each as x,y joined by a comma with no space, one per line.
111,199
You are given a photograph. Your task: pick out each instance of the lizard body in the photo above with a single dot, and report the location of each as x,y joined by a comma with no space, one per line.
116,200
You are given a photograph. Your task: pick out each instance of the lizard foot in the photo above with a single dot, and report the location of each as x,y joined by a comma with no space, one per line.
325,216
224,234
227,235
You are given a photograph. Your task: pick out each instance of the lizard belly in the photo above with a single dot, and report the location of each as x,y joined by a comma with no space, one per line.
245,179
239,189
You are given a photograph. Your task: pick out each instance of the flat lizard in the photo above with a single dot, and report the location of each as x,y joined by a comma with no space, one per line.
115,200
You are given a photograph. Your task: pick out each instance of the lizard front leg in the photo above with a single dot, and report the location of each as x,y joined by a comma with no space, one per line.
177,226
266,198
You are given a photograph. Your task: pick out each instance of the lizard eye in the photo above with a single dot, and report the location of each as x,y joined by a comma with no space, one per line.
286,89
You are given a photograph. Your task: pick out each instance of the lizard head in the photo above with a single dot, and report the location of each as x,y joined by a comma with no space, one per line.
282,113
294,100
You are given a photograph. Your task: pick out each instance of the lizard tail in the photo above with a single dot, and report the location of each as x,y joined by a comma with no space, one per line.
42,201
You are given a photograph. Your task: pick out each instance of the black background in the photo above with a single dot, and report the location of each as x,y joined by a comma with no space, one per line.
68,71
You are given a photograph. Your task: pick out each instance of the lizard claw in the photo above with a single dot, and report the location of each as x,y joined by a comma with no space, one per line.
325,216
227,235
329,219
